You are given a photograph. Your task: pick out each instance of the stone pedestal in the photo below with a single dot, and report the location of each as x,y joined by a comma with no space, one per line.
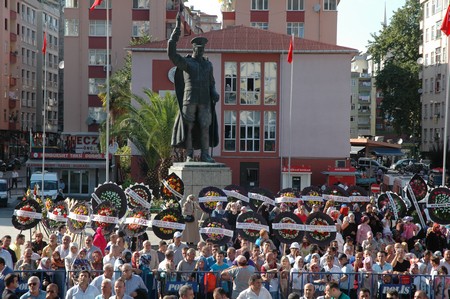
198,175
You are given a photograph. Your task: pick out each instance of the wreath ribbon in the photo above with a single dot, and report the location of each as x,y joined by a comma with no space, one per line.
78,217
95,197
139,221
57,218
262,198
254,226
287,199
167,185
28,214
216,230
311,198
168,224
237,195
106,219
137,198
394,207
212,198
359,198
336,198
289,226
319,228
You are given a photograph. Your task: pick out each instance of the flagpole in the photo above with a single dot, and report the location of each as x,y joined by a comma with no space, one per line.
44,122
444,162
290,113
107,91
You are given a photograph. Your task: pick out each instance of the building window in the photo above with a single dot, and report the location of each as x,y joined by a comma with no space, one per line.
250,83
94,84
433,31
71,27
438,83
71,3
438,29
140,28
295,5
270,83
438,55
427,9
97,57
296,28
425,111
329,5
230,82
98,28
432,60
97,114
230,131
425,86
270,128
427,35
260,25
141,4
249,127
260,4
426,60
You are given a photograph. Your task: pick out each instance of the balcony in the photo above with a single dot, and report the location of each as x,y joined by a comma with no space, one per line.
12,58
12,103
12,37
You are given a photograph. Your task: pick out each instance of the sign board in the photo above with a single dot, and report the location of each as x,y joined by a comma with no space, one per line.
375,188
174,286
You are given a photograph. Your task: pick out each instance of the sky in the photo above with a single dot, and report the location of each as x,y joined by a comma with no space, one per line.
357,19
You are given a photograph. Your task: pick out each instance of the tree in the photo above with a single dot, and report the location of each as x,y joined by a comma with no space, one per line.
396,50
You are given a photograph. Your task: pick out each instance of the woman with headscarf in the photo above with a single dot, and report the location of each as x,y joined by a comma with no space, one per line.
68,261
297,277
99,240
135,262
97,263
191,233
435,240
57,264
45,272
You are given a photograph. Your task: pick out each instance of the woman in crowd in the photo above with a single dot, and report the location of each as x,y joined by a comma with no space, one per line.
191,233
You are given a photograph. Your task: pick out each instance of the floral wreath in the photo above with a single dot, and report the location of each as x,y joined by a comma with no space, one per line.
76,226
210,206
312,191
255,204
238,189
134,229
320,237
105,208
143,191
288,235
112,193
58,209
336,191
219,239
418,186
440,195
384,204
169,215
22,222
175,183
289,192
250,217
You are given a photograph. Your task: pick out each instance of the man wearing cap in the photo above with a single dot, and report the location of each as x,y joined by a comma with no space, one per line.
177,247
196,94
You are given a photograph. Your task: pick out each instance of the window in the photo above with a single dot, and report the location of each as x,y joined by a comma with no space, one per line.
425,111
431,85
296,28
425,135
432,60
94,84
270,128
71,27
140,28
438,83
437,110
433,7
426,60
72,3
230,131
444,51
427,9
97,114
270,83
250,83
295,5
77,181
442,109
97,57
433,31
438,55
438,6
230,82
260,25
141,4
425,86
260,4
249,125
438,29
98,28
329,5
6,24
169,28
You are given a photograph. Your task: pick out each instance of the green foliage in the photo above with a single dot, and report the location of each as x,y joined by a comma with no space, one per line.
396,48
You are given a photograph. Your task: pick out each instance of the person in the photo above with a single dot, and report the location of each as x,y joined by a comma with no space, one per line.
20,240
186,292
177,247
15,178
61,185
83,289
132,281
4,271
239,275
119,289
11,284
255,289
90,247
392,294
220,293
191,233
38,244
34,289
186,266
219,211
106,289
108,271
420,295
364,293
309,291
196,109
64,247
48,250
332,290
52,291
99,240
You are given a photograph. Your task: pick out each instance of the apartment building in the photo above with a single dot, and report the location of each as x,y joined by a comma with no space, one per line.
310,19
434,75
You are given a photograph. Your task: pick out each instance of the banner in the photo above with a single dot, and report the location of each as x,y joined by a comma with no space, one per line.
253,226
168,224
237,195
261,198
216,230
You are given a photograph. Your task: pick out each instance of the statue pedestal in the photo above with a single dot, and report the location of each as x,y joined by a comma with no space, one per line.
198,175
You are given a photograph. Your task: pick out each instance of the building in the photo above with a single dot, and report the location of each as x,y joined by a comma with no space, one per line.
310,19
22,72
434,75
258,129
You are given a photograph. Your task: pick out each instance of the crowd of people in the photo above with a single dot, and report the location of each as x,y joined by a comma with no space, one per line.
371,250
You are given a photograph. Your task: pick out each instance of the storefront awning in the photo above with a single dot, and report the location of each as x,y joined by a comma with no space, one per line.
355,149
386,151
70,164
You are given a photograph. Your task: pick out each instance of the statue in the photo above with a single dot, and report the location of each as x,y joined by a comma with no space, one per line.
196,123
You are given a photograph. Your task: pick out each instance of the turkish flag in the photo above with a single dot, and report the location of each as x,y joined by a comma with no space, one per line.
44,44
95,4
445,27
291,50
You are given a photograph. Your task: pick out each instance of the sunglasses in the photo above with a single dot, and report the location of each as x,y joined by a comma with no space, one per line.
32,284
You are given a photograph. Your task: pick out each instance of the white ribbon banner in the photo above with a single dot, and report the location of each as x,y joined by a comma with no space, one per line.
287,199
359,198
130,192
212,198
438,205
261,198
32,215
237,195
312,198
180,196
253,226
138,221
336,198
57,218
216,230
320,228
416,205
95,197
78,217
168,224
393,206
290,226
106,219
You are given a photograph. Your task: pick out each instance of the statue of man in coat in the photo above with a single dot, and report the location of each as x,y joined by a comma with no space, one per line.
196,123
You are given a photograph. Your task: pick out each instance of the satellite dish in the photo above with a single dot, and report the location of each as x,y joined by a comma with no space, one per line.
61,65
316,7
420,60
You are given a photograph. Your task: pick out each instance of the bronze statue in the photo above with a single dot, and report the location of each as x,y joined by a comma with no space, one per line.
196,123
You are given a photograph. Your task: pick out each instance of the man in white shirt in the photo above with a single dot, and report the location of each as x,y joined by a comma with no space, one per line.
177,247
64,247
83,290
445,261
330,267
108,271
255,289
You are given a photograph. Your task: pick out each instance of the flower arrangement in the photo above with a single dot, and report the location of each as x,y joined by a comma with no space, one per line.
419,187
252,233
137,228
79,209
172,204
112,197
288,233
215,237
105,211
211,205
26,220
143,193
440,196
291,194
43,205
58,209
318,235
169,218
175,183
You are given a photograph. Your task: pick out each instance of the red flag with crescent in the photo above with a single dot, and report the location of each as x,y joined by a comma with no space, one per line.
445,27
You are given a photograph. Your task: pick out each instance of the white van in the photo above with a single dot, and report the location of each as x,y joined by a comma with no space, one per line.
50,183
4,192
